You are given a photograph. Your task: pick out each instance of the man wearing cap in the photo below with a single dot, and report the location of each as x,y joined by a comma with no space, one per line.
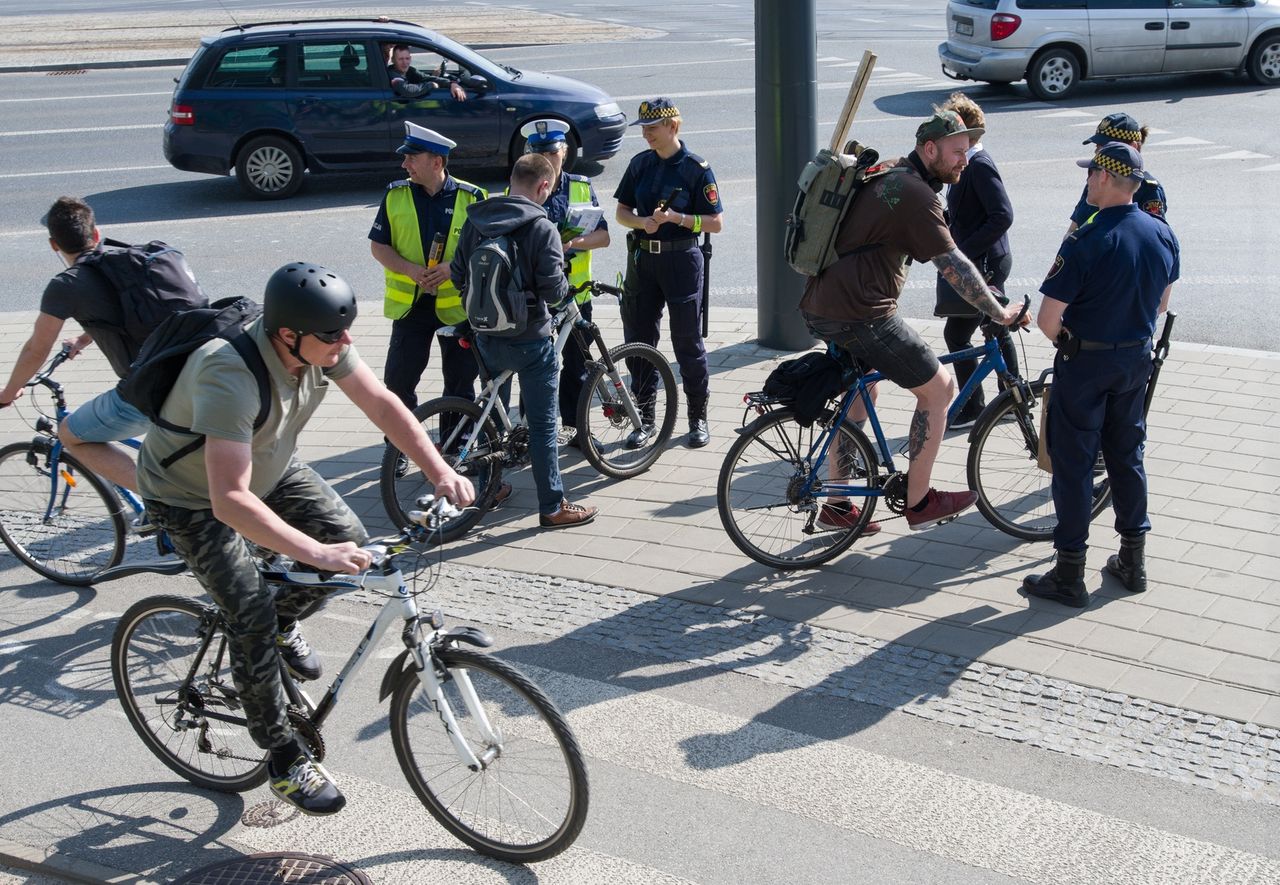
666,198
897,218
413,237
1122,128
1108,283
571,192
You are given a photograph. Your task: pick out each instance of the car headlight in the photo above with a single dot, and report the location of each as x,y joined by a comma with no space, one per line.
605,111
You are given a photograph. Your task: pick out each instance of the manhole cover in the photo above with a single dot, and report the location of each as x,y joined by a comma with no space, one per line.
277,868
268,814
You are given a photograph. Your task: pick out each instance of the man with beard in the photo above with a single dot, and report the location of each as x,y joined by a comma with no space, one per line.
897,218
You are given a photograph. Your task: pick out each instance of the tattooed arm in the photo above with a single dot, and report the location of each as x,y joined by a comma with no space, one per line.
959,271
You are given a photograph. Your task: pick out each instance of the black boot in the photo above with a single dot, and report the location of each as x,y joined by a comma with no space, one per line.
1130,564
699,432
1065,583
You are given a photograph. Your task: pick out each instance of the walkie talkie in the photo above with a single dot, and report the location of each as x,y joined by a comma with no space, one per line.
665,202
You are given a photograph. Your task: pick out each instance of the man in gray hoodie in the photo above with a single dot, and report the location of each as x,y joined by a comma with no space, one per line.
531,355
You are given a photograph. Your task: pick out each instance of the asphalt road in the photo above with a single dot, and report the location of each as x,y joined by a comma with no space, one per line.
1213,146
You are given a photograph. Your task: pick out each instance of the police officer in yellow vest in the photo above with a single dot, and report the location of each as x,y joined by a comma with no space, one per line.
564,207
418,216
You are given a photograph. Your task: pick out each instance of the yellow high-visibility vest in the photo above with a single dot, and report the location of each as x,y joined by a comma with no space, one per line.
406,238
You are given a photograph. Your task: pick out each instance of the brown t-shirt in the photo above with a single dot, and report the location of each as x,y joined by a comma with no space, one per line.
900,211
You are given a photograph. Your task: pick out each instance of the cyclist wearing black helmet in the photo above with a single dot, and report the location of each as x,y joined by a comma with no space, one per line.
246,484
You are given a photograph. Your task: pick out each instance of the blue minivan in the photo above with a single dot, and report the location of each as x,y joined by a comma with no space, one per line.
271,100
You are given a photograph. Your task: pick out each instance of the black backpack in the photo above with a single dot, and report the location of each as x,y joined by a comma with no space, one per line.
153,282
154,372
496,299
807,383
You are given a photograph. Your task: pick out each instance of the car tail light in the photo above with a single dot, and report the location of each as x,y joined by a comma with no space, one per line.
1003,25
182,115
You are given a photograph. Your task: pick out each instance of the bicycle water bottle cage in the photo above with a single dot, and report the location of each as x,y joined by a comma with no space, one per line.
470,635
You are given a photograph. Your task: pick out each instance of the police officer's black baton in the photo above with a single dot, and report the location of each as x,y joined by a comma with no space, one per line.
1157,359
706,282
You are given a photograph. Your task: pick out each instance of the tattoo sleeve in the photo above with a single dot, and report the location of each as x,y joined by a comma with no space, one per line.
918,434
959,271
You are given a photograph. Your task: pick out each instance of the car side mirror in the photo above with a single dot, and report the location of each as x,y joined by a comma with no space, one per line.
477,82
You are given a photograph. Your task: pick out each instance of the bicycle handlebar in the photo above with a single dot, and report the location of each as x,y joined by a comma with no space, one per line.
596,288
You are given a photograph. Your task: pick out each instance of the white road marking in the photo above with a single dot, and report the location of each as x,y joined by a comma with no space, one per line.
85,97
1177,142
84,171
1240,155
81,130
1066,114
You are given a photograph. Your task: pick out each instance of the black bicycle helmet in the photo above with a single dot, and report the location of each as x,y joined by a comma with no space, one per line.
308,298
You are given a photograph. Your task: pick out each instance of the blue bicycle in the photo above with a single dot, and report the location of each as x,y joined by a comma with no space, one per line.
61,519
780,480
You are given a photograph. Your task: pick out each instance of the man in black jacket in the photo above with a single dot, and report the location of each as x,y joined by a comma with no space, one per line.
531,354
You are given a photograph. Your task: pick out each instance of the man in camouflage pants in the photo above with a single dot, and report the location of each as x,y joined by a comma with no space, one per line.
246,485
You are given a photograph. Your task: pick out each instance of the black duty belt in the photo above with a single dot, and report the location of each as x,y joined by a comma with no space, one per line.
1112,345
655,246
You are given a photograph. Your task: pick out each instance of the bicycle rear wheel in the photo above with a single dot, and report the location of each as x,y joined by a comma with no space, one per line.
760,492
604,424
69,532
1014,494
528,801
169,661
453,424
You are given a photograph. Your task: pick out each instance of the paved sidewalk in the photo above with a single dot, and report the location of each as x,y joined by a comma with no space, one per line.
1206,637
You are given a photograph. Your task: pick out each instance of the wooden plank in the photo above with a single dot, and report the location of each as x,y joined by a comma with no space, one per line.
852,100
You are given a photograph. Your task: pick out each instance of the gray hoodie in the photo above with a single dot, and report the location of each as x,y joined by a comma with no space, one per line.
537,248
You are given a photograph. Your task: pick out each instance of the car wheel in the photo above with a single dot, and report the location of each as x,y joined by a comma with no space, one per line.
518,142
1264,60
269,168
1054,74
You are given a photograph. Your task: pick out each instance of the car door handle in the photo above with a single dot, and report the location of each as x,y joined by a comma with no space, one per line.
1154,26
1179,26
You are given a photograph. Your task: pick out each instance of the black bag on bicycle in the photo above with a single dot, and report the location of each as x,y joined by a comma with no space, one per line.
807,384
153,282
154,372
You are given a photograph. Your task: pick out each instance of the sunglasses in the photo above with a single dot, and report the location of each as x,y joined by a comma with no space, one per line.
329,337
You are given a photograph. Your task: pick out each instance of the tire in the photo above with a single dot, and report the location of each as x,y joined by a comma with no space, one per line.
269,168
1264,60
447,420
757,493
518,143
602,418
158,642
1054,74
1014,494
84,535
530,801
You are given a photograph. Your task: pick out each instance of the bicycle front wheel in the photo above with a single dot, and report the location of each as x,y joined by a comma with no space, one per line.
1014,494
528,800
67,527
612,441
761,497
472,449
169,661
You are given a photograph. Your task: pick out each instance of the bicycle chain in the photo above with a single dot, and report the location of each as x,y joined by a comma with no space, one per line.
303,726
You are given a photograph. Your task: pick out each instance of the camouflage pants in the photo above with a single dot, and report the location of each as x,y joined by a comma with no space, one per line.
220,560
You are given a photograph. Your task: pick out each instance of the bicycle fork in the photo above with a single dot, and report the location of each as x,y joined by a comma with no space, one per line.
619,396
430,669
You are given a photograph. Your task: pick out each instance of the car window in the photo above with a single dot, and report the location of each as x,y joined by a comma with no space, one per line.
338,65
250,67
1104,5
1051,4
430,63
1201,4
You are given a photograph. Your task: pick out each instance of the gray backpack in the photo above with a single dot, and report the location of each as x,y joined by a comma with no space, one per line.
496,299
827,185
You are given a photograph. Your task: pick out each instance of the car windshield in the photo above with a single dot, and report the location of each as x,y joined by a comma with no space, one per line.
474,60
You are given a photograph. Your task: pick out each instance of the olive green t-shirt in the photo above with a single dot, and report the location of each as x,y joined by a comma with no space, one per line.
217,395
901,212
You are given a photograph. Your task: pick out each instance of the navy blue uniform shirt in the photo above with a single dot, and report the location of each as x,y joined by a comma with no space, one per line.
649,179
435,214
1112,273
1150,198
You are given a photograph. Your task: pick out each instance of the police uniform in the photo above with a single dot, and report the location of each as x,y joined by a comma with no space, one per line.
1111,274
408,220
1150,198
543,136
665,268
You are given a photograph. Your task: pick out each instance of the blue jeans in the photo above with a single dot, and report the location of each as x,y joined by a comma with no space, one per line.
534,362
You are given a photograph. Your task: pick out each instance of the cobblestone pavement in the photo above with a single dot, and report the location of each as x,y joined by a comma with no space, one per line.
1235,758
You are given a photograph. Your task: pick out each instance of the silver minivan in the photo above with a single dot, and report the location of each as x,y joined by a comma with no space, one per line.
1054,44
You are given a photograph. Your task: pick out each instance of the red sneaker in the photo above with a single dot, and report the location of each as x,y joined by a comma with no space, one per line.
843,515
940,507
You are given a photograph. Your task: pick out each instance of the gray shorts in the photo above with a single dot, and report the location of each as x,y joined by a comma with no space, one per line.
107,418
889,346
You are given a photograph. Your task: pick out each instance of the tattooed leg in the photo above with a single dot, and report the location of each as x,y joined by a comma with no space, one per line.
927,427
919,434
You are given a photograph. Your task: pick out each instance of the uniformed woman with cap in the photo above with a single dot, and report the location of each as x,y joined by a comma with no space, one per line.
667,197
1150,198
571,194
